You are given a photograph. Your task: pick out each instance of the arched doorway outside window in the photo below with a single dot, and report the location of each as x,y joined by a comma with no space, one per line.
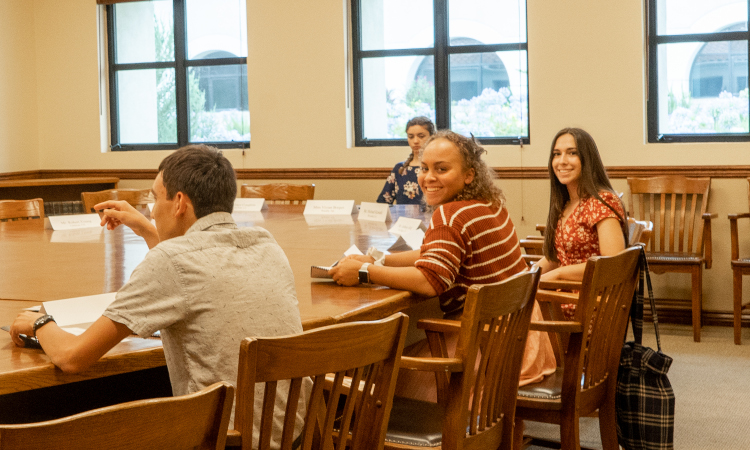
470,73
720,66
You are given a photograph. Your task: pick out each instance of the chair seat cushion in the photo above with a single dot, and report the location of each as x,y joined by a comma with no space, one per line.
550,388
416,423
672,258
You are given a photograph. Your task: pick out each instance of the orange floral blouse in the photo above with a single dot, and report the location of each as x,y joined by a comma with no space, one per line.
577,240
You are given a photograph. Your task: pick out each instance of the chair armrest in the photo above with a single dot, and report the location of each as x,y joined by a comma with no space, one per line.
561,284
564,326
234,438
432,364
544,295
540,227
708,254
735,246
439,325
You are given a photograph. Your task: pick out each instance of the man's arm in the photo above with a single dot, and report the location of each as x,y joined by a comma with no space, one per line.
67,351
120,212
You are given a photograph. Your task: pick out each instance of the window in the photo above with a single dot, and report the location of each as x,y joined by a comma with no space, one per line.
463,63
698,71
178,73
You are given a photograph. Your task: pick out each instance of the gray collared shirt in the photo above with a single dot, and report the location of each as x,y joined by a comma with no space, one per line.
206,291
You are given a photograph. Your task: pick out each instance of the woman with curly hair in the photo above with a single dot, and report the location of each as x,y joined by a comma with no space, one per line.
470,240
401,186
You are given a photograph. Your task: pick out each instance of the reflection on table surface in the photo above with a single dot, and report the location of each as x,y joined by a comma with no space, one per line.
40,265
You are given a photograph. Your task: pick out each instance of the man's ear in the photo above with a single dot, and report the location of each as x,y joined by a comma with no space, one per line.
181,203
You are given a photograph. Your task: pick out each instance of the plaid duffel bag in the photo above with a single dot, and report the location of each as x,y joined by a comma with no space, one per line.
645,400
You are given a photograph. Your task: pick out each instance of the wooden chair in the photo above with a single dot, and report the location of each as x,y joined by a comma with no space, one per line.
740,267
362,354
22,212
136,198
476,387
588,377
294,194
197,420
681,241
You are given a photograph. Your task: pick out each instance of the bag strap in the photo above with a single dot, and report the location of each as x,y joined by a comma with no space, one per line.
654,317
636,310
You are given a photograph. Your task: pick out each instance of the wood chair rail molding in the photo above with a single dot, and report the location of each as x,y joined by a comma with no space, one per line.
379,173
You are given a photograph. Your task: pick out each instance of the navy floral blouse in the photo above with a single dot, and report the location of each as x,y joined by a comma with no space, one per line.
401,189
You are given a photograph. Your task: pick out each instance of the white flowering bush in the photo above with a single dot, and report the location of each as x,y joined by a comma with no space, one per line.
723,114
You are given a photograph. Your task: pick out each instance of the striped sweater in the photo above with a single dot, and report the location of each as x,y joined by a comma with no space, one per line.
467,243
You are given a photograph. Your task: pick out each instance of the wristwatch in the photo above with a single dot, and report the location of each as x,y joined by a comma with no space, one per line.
42,321
364,275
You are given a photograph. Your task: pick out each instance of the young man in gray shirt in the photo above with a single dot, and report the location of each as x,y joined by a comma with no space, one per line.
205,283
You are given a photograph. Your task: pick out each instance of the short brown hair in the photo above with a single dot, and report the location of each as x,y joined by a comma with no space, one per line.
204,175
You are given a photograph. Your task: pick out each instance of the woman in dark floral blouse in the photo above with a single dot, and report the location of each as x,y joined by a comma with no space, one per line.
401,187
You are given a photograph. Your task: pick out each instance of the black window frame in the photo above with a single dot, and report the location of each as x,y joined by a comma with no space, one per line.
181,65
652,107
441,51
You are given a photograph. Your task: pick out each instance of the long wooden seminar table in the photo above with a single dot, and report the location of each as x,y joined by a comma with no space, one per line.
48,265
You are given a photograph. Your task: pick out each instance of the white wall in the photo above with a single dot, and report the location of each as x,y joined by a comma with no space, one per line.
585,63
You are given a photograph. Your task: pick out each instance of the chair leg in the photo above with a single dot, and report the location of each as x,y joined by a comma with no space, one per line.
518,435
608,425
569,432
697,301
737,297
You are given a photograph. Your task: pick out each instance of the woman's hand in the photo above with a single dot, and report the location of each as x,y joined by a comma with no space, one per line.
346,272
360,258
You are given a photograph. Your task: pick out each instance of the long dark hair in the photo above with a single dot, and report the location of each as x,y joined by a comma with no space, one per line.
423,122
593,180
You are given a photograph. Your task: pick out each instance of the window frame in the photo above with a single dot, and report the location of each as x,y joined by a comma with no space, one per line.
652,101
181,65
441,52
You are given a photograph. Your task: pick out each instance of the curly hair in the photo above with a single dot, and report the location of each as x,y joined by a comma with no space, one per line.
482,186
423,122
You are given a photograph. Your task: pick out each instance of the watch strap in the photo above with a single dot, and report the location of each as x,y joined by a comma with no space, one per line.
42,321
364,275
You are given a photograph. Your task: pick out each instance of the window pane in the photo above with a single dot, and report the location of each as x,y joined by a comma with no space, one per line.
218,103
487,21
703,88
144,32
146,106
699,16
489,94
216,29
394,24
394,90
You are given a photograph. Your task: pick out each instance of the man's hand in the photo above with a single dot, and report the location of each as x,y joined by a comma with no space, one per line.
120,212
346,272
24,324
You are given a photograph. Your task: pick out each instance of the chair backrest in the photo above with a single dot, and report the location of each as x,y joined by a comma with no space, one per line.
136,197
593,354
295,194
639,231
491,343
197,420
25,212
675,205
363,353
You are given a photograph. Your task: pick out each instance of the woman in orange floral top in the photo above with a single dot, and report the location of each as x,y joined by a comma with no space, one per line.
586,217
